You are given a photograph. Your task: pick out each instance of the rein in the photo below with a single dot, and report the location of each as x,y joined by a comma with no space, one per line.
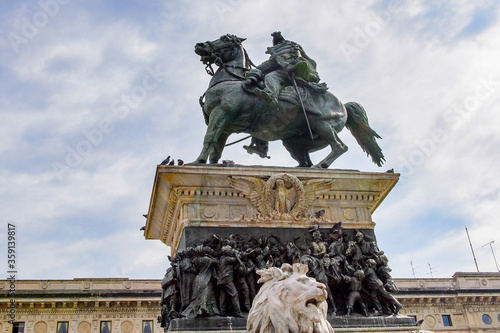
218,61
213,85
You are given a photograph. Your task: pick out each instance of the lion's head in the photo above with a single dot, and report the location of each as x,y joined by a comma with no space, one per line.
289,301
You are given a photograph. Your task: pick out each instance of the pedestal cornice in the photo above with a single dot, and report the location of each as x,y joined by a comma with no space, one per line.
217,196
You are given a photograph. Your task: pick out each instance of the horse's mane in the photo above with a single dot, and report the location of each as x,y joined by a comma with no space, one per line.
248,63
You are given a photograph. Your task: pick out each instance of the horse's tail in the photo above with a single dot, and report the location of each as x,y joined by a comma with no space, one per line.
357,123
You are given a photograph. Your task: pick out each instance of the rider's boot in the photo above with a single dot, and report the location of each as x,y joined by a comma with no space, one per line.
259,147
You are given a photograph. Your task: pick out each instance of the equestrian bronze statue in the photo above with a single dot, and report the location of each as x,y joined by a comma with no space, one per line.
281,99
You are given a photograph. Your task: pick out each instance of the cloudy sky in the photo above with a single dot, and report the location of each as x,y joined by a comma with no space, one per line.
94,94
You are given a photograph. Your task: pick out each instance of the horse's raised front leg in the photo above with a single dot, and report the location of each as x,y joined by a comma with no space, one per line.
216,125
326,132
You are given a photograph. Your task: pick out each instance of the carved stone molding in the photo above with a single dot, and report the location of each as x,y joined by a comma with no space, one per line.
261,197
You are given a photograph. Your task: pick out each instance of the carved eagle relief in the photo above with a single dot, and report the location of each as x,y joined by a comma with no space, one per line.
281,194
252,188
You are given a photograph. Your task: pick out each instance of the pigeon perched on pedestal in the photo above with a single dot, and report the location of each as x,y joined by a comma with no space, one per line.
165,161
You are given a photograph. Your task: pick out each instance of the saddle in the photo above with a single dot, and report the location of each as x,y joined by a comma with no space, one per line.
308,92
289,94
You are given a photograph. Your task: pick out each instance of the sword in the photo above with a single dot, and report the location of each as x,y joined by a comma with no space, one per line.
302,104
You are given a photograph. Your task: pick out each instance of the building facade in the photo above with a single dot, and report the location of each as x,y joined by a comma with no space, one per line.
80,306
467,302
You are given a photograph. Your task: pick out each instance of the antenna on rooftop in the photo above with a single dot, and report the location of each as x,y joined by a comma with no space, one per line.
413,269
470,243
430,269
492,252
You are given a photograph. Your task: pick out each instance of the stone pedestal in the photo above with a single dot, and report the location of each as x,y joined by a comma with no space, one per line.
188,202
340,324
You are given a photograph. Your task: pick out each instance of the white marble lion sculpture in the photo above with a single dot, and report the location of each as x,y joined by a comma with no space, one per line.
289,302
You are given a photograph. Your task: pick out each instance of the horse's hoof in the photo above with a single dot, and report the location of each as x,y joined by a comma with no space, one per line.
197,162
321,166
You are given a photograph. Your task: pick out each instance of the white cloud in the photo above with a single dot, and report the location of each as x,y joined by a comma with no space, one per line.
409,74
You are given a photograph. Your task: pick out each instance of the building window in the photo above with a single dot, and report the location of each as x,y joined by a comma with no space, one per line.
105,327
447,320
498,317
62,326
18,328
147,326
486,319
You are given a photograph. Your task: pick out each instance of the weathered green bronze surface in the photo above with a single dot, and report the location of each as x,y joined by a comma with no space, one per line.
281,99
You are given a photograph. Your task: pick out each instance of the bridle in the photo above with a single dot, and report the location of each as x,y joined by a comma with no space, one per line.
218,61
214,54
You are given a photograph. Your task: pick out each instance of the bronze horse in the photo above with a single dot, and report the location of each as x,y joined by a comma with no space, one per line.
230,108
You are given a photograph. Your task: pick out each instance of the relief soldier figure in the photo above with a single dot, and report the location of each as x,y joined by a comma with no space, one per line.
384,273
377,291
186,272
170,294
354,283
225,282
203,301
251,276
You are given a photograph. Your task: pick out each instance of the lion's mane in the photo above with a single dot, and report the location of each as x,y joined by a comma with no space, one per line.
274,311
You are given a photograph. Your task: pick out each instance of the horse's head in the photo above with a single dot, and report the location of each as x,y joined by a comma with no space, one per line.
220,50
